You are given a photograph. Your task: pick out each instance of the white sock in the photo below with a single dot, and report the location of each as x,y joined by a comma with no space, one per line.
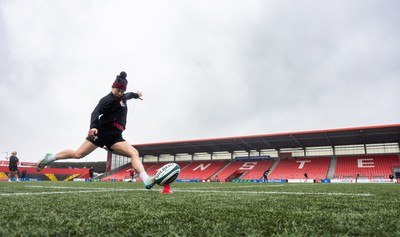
51,158
144,176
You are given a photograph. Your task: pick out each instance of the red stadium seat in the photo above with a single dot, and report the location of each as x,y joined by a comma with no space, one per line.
202,170
368,166
316,168
257,169
124,173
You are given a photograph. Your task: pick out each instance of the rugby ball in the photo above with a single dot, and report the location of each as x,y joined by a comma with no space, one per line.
167,174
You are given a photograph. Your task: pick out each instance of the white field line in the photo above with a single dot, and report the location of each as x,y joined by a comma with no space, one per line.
96,190
50,193
281,193
222,187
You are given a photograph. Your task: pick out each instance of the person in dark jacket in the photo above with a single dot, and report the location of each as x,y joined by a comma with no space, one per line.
305,176
108,121
23,175
13,167
265,175
391,177
91,173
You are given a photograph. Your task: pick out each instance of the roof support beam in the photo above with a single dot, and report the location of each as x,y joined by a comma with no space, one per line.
328,139
297,141
251,147
269,144
364,141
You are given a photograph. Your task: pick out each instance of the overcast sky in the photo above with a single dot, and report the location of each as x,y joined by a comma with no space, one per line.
207,69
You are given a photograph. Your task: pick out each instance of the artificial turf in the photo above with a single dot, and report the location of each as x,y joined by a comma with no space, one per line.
198,209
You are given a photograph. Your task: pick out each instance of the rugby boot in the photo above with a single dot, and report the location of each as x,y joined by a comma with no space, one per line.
150,182
43,162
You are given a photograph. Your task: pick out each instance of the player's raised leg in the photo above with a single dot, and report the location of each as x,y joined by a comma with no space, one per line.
125,149
85,149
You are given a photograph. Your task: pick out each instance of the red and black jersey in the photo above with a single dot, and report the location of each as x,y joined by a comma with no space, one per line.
111,110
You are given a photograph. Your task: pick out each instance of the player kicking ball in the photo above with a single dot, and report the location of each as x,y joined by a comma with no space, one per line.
108,121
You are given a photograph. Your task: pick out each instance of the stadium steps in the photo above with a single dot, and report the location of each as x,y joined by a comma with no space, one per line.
332,167
243,174
275,164
219,171
182,164
230,170
113,171
258,170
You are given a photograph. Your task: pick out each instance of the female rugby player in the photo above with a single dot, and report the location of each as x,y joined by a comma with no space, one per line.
108,121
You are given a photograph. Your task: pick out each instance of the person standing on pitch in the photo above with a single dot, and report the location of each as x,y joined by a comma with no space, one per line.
23,175
108,121
265,175
132,174
13,167
91,172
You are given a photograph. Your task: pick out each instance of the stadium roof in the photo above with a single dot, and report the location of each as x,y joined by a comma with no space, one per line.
330,137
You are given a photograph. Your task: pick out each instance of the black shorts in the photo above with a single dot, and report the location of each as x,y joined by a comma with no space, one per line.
12,168
106,137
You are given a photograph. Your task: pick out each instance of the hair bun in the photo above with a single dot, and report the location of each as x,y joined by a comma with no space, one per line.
123,74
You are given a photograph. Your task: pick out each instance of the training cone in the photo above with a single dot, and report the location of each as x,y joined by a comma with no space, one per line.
167,189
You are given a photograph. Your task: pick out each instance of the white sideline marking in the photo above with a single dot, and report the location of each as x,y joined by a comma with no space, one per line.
269,192
96,190
269,186
48,193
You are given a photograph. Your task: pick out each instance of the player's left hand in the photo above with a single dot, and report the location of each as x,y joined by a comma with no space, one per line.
140,94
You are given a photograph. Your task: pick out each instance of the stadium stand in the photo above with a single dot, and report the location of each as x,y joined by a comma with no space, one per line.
367,166
52,174
255,170
202,170
380,138
232,170
153,169
316,168
124,173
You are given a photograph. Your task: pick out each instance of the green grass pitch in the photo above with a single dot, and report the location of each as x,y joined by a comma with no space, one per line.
198,209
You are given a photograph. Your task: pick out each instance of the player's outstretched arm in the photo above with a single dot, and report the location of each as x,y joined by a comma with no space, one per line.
133,95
